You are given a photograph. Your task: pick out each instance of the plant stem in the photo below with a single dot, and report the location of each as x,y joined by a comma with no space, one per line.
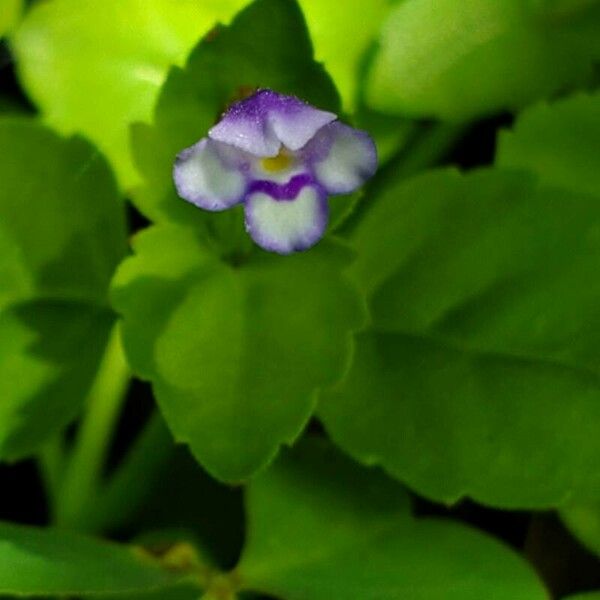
83,470
134,477
51,463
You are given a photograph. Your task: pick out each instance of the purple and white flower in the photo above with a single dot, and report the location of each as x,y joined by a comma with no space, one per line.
281,158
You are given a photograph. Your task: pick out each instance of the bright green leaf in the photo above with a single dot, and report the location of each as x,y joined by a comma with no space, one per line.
462,60
320,527
10,11
267,45
558,142
487,384
96,67
36,562
583,520
62,234
235,353
342,32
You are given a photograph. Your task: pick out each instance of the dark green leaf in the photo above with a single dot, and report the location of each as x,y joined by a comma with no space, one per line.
488,261
486,380
508,432
558,142
583,520
49,352
320,527
235,353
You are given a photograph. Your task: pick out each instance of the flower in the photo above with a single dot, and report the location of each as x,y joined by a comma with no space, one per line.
281,158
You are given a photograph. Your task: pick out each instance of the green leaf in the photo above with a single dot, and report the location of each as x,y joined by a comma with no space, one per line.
490,261
558,142
36,562
481,377
442,59
583,520
95,68
342,32
561,8
179,592
10,11
453,423
235,353
49,353
62,234
60,213
320,527
267,45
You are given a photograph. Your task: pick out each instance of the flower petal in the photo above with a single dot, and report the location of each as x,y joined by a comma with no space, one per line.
296,123
263,122
287,225
342,157
211,175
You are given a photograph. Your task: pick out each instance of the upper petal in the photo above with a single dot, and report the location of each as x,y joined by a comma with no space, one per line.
263,122
342,158
211,175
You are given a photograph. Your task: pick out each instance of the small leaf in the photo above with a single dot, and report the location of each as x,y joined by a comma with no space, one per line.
481,374
558,142
320,527
62,233
583,520
235,353
459,61
95,68
267,45
36,562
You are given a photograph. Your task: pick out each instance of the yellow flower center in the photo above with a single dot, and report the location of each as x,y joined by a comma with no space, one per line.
276,163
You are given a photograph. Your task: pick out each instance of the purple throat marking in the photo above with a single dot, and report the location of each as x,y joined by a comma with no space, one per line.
282,191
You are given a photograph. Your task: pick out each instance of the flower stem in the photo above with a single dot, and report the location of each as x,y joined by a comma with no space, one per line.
134,477
84,466
51,463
